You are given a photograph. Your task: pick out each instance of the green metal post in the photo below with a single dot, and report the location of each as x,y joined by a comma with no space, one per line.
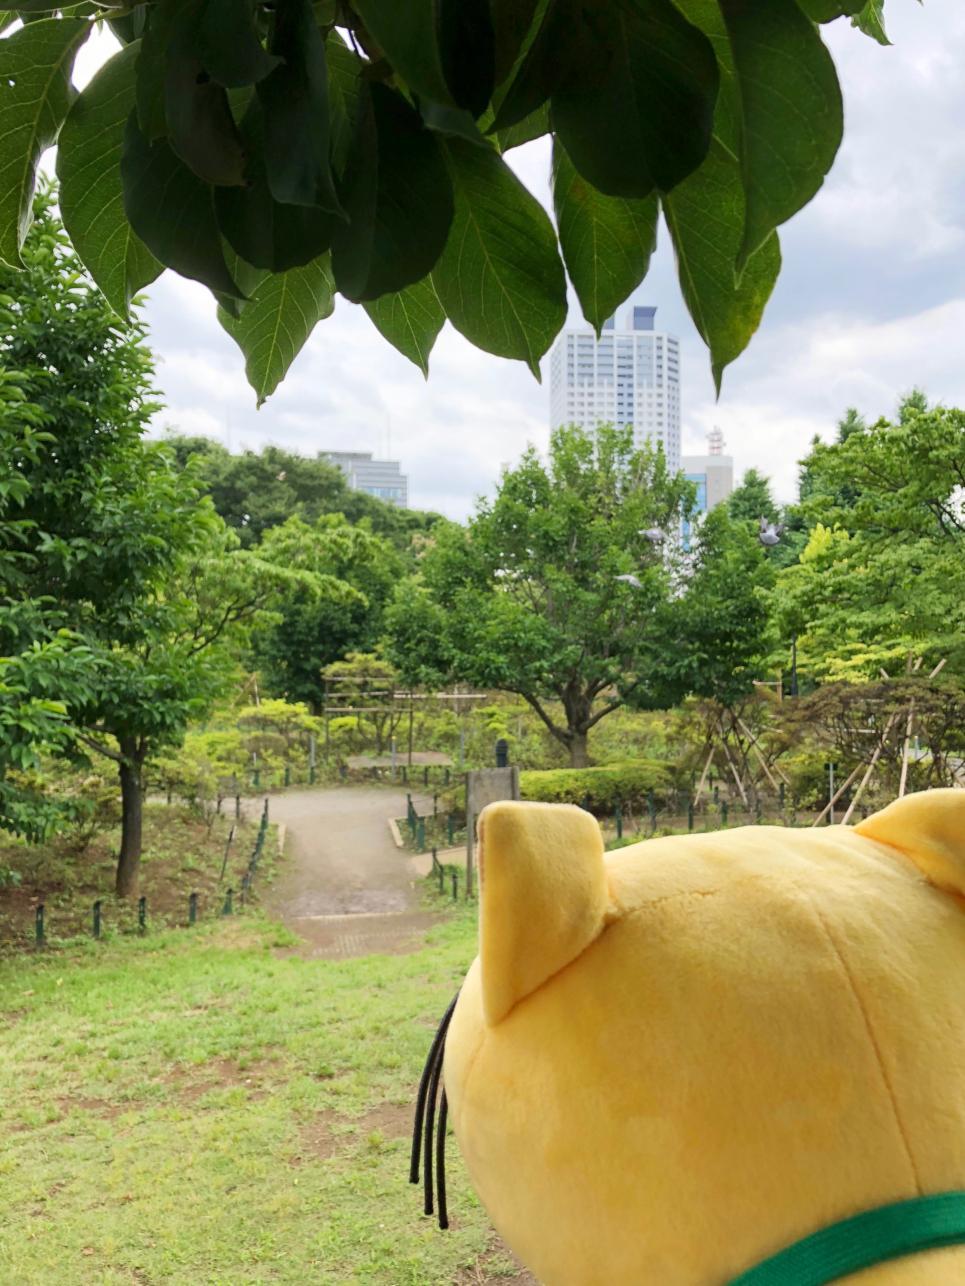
442,876
780,791
690,814
455,884
618,817
421,834
311,774
257,779
425,775
723,813
39,924
450,829
226,909
141,914
193,909
97,919
288,775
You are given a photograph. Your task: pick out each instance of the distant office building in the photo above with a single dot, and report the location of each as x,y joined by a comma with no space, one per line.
713,476
628,377
712,473
380,478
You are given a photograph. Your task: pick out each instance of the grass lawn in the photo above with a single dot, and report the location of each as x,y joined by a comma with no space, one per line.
204,1106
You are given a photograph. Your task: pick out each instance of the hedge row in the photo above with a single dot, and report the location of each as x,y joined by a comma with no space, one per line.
601,789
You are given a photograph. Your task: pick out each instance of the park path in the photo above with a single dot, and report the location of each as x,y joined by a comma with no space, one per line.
346,889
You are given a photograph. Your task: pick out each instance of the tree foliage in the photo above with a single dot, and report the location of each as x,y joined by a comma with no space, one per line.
254,491
311,629
277,152
529,598
883,572
119,585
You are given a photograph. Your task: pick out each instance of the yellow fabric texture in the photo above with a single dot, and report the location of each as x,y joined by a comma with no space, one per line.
671,1062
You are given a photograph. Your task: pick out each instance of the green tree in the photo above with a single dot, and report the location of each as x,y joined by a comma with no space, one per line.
751,500
122,586
883,574
310,631
554,591
281,153
255,491
723,622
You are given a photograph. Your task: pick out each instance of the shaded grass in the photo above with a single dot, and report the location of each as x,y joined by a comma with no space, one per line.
196,1106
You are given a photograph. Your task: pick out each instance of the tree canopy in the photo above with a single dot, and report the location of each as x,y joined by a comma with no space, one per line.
119,584
883,572
280,153
554,591
254,491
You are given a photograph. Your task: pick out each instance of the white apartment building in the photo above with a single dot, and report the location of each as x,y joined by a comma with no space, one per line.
628,377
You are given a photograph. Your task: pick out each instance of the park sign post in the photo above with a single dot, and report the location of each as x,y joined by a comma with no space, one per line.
485,786
282,153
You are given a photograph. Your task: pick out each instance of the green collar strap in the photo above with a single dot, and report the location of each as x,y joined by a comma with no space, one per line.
890,1232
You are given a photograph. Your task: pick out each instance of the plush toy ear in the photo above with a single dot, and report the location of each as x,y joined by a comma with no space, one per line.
543,896
929,828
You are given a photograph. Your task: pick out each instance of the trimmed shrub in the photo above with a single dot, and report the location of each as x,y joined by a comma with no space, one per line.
603,787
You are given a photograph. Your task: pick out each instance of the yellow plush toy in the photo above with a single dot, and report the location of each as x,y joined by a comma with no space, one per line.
722,1059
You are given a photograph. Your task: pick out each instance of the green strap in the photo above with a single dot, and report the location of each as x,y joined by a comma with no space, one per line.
905,1228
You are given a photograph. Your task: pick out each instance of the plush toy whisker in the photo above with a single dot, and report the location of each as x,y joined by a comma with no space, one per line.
424,1126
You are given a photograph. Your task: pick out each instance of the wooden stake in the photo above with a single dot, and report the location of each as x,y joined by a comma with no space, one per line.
871,767
834,798
757,751
703,777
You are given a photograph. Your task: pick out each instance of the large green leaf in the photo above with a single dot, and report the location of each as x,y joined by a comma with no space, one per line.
35,67
533,126
344,68
277,320
871,20
791,112
199,124
267,233
500,279
240,60
91,195
408,35
410,320
294,99
705,216
467,49
398,198
607,241
636,111
172,211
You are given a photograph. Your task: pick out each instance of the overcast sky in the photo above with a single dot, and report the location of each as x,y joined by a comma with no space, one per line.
871,301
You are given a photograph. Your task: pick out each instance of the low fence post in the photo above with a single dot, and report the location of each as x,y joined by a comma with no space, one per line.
425,775
96,926
193,908
723,812
420,838
288,774
39,924
455,884
618,818
780,794
237,807
690,814
450,829
311,774
141,914
226,909
652,810
445,777
442,876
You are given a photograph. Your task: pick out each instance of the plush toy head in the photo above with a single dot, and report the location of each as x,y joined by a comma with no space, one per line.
669,1063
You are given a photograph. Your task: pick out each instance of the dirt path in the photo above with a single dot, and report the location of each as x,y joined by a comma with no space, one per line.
346,889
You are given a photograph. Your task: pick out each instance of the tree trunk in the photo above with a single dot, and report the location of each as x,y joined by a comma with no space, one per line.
579,754
129,858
